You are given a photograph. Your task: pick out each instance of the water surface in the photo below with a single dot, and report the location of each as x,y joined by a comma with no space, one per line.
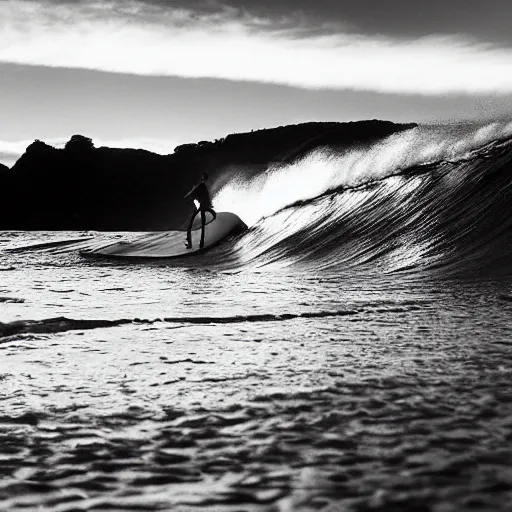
275,390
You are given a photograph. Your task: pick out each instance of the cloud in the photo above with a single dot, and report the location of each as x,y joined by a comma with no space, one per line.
11,151
229,43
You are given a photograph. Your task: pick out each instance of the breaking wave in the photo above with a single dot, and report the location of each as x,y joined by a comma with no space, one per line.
435,199
432,197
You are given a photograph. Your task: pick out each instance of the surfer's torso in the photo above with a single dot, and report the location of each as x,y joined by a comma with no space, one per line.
201,194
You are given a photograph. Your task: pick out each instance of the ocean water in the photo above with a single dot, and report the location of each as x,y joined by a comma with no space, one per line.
351,351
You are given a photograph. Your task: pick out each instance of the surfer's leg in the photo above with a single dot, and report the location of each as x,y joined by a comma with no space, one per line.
189,230
213,213
203,223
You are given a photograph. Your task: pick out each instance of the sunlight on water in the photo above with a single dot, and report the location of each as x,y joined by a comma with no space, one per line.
264,391
279,186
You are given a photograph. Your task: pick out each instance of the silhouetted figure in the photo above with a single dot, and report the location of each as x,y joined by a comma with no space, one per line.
204,204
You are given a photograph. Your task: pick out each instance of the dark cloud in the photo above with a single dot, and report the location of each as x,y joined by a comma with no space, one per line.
111,106
487,20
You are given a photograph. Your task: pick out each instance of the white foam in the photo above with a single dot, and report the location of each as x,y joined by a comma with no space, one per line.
324,169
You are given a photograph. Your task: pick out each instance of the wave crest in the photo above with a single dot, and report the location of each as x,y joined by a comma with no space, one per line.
255,197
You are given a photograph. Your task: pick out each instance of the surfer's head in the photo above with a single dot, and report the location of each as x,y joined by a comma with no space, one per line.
205,176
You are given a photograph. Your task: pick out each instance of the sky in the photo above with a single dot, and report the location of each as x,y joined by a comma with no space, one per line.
158,73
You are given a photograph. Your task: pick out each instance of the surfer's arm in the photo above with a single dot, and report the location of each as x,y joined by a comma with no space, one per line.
190,192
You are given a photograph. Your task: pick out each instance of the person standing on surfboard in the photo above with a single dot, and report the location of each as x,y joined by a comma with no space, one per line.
203,203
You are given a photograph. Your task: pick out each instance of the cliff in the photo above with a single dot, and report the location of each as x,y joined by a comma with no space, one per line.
82,187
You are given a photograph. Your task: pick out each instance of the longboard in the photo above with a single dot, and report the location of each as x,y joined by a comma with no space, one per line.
171,244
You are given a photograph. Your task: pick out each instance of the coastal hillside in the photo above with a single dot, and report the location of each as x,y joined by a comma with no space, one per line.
82,187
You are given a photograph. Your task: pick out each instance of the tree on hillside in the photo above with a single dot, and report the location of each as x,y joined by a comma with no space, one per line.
79,144
38,146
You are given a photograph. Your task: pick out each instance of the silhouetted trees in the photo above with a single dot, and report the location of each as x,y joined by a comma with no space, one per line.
39,146
82,187
79,144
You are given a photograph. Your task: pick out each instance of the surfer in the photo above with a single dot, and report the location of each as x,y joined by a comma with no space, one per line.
203,203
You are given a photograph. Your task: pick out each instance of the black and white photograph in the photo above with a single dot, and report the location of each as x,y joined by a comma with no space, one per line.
256,255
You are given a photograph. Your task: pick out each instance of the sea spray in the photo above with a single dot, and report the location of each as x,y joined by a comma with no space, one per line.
320,170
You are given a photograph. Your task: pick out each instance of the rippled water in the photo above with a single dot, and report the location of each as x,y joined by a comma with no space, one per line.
131,387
